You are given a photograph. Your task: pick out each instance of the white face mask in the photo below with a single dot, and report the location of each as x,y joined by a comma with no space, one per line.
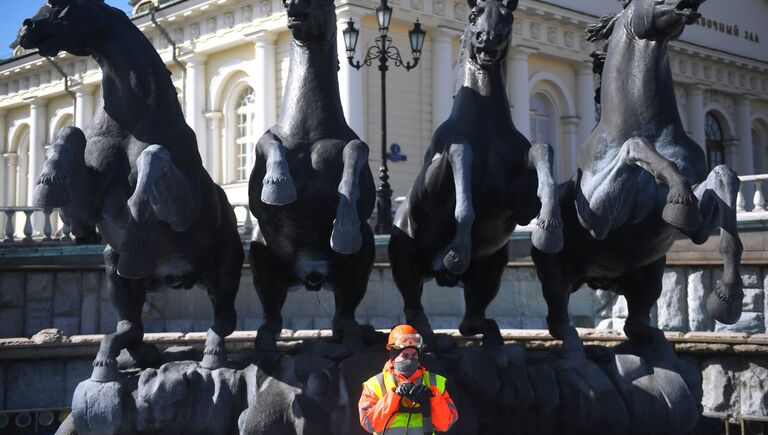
407,367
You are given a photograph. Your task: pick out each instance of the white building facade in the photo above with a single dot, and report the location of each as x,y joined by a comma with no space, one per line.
235,58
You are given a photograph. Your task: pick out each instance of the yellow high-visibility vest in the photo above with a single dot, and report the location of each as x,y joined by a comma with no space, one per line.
410,421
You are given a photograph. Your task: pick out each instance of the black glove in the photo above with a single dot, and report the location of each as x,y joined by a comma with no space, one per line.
404,390
420,394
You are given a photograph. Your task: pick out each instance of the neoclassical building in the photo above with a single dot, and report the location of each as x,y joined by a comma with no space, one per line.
231,63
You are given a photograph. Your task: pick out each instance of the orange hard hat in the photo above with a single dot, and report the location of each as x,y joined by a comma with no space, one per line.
403,336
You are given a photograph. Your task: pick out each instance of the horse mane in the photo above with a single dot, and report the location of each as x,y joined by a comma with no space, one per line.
602,31
464,47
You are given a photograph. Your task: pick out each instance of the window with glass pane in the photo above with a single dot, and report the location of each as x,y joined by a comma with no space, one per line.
541,119
245,139
715,146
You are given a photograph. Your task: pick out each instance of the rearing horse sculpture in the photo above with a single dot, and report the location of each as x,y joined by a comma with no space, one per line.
136,174
632,193
479,181
311,189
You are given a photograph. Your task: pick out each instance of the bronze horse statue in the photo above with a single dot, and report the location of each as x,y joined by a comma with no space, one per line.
136,174
311,188
478,182
641,181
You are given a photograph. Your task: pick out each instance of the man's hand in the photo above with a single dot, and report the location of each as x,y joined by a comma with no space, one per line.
404,390
420,394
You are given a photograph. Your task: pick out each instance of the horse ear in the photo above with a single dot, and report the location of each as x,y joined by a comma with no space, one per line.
511,4
472,3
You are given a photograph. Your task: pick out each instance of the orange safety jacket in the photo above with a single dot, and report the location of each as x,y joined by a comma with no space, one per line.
382,411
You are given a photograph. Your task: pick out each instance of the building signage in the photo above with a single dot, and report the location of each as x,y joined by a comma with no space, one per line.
728,29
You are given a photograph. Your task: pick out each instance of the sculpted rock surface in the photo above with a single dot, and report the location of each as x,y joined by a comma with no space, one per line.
629,390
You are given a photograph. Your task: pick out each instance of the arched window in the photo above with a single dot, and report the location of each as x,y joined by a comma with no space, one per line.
245,139
541,119
758,152
142,8
64,121
22,169
715,146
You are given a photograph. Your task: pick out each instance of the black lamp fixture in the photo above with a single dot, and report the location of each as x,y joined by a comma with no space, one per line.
384,51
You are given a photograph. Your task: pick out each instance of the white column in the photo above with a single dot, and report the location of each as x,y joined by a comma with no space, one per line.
350,80
11,167
568,153
264,81
3,170
696,116
732,154
518,89
442,76
37,121
214,124
585,99
744,134
83,107
195,104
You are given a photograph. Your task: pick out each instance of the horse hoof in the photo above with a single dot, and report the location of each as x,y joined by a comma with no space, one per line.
725,305
265,341
278,190
471,326
682,214
50,192
547,237
346,237
214,359
456,263
105,370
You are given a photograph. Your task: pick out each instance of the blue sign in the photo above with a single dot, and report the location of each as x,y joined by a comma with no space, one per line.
394,154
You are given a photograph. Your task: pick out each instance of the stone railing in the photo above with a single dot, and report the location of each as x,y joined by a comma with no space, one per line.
35,224
30,224
752,188
38,225
244,219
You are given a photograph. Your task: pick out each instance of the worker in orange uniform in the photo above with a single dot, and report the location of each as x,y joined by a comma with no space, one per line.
405,398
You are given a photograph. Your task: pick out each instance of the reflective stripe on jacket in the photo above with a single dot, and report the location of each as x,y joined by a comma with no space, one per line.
384,412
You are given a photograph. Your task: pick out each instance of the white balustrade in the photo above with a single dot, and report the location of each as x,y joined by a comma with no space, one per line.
757,211
28,233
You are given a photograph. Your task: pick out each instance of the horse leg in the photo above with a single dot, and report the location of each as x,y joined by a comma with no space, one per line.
717,200
277,185
557,286
223,281
642,289
346,237
548,234
163,194
351,283
52,187
481,285
128,299
162,189
408,275
459,251
269,280
681,210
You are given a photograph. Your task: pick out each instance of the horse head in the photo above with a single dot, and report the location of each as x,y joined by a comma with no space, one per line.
489,30
661,20
311,20
68,25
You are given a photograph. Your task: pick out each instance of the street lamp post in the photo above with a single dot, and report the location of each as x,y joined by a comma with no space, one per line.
384,51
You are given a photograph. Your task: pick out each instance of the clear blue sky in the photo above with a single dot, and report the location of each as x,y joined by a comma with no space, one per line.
15,11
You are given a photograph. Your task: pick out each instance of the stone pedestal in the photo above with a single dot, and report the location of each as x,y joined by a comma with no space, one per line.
315,390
